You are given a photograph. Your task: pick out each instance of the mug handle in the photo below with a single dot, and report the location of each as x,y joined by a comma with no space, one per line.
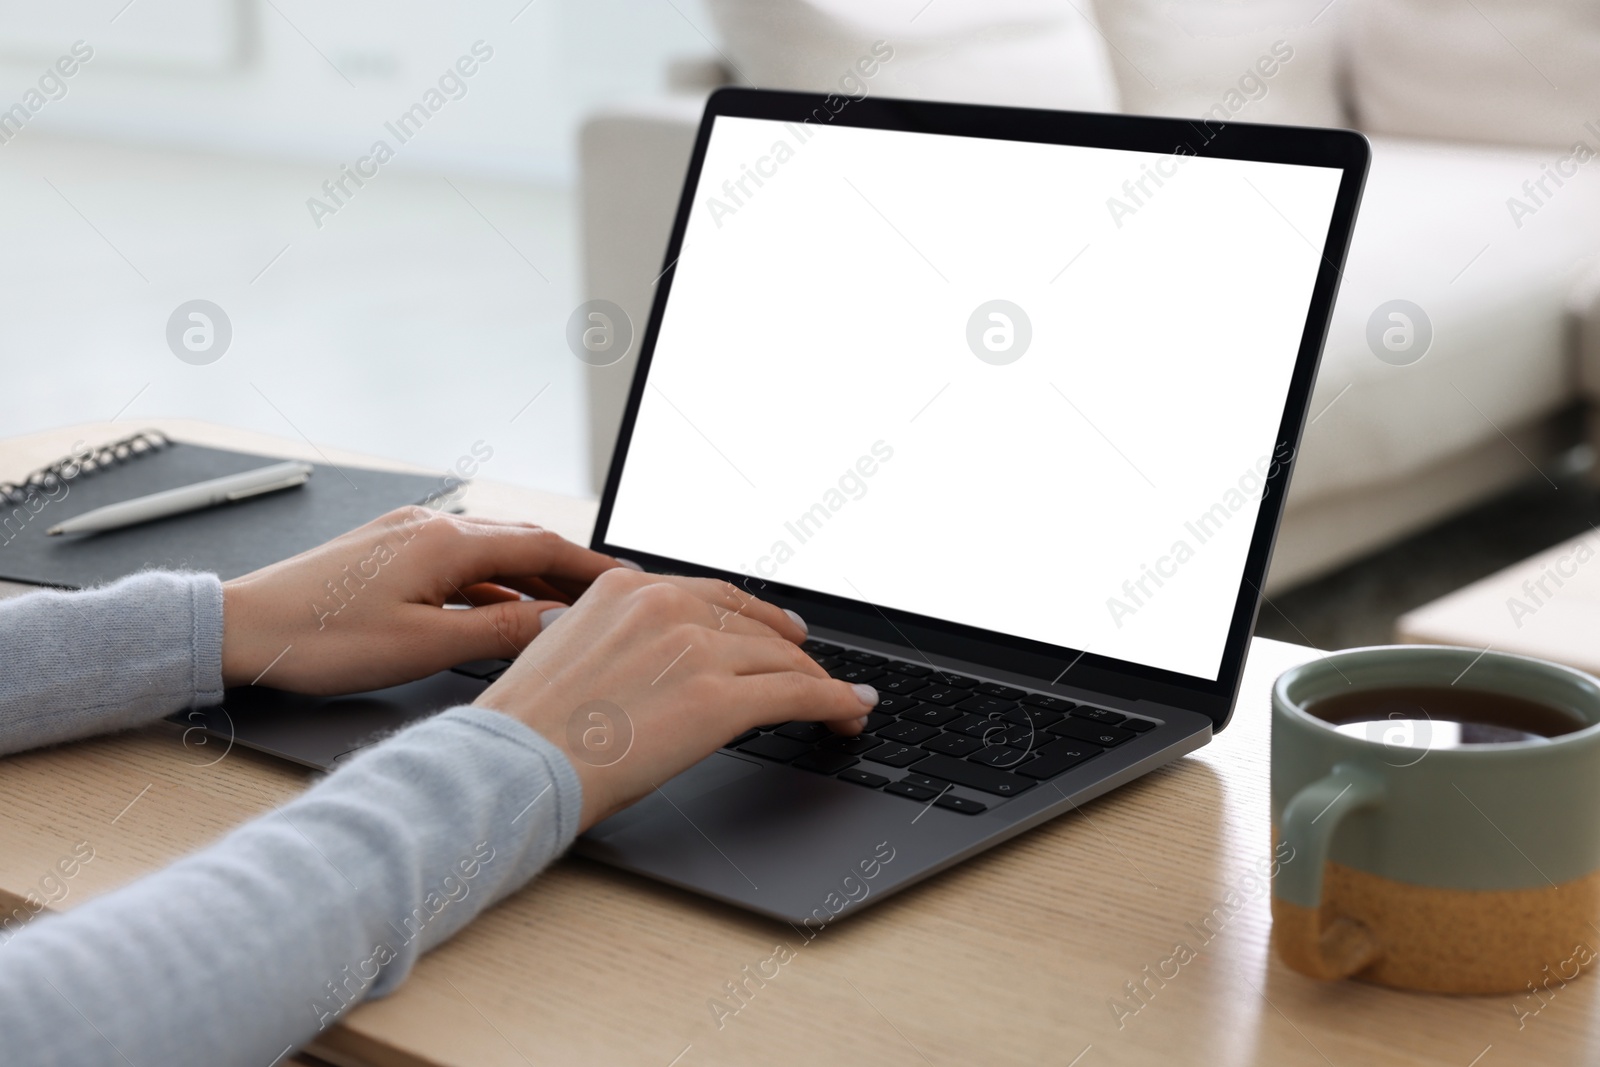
1308,823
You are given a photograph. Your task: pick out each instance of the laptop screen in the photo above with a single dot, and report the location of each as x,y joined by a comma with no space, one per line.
1029,388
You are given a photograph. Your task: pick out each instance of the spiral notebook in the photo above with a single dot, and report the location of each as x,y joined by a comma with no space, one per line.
230,540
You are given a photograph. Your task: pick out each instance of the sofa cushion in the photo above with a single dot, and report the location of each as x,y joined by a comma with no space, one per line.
1510,71
1259,61
1024,53
1437,228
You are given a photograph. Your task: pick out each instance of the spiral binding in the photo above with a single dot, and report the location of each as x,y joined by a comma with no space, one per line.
80,464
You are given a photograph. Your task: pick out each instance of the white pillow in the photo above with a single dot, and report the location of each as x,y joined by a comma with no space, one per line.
1513,71
1245,60
1023,53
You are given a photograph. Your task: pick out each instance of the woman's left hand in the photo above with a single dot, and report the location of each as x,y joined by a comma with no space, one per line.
367,610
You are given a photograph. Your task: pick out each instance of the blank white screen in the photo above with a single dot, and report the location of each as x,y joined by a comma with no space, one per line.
822,316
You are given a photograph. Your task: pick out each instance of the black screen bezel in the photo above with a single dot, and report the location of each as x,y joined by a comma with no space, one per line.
1345,150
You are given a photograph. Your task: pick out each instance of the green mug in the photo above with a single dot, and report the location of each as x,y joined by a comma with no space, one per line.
1471,869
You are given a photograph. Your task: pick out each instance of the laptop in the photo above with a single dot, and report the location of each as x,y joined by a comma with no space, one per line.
1004,403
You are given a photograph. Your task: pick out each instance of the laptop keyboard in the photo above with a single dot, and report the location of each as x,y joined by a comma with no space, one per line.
933,731
486,669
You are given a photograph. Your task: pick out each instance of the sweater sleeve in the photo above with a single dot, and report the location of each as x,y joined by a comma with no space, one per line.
251,946
248,948
126,654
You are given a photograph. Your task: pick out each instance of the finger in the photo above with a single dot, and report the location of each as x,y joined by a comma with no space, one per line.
515,555
495,631
483,593
761,652
787,695
537,588
729,597
554,586
725,621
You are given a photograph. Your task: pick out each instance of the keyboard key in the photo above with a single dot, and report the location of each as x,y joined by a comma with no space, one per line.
850,746
828,663
748,735
855,672
1099,715
985,705
999,756
804,731
896,755
952,802
959,681
876,720
898,683
1104,736
963,772
815,647
992,731
771,747
871,659
942,694
1138,726
910,792
926,782
482,668
866,778
953,744
913,670
1038,718
975,725
895,704
1048,703
930,715
1057,757
825,762
908,733
1023,737
1004,692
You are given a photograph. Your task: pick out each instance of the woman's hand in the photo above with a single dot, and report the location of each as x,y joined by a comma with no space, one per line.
366,610
648,675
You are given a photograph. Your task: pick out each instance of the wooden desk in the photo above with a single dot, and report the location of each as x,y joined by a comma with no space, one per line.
1013,957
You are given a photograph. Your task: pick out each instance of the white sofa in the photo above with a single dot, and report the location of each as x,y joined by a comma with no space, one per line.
1460,119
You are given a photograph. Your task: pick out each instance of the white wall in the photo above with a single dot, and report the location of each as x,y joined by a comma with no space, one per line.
246,76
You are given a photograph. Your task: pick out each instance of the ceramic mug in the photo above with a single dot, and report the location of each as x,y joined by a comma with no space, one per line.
1471,869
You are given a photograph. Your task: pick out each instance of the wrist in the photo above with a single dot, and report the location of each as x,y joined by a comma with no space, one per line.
235,637
532,715
574,785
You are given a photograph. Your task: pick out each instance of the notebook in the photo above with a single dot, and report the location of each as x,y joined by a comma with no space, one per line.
230,540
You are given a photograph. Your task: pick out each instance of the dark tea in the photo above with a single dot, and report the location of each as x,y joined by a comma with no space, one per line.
1442,717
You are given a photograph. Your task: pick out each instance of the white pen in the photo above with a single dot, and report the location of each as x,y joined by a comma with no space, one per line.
186,498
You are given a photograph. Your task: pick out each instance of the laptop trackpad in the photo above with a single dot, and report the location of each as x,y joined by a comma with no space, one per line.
713,772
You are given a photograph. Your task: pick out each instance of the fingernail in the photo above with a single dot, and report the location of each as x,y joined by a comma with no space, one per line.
798,621
867,694
630,564
548,616
862,722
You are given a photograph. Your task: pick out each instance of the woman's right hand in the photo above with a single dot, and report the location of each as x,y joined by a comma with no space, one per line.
647,675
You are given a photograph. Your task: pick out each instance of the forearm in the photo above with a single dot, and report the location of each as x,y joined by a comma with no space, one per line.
76,664
258,942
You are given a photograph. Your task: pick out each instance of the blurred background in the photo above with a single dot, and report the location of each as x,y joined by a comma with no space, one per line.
177,164
411,301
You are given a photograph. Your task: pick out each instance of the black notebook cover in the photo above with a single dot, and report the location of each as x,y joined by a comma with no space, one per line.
230,540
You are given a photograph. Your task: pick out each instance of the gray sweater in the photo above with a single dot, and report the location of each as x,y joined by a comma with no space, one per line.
250,947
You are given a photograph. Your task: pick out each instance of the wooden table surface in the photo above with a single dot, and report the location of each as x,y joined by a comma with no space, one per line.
1017,956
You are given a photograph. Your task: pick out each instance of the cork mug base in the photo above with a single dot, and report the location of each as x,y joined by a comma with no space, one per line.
1468,941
